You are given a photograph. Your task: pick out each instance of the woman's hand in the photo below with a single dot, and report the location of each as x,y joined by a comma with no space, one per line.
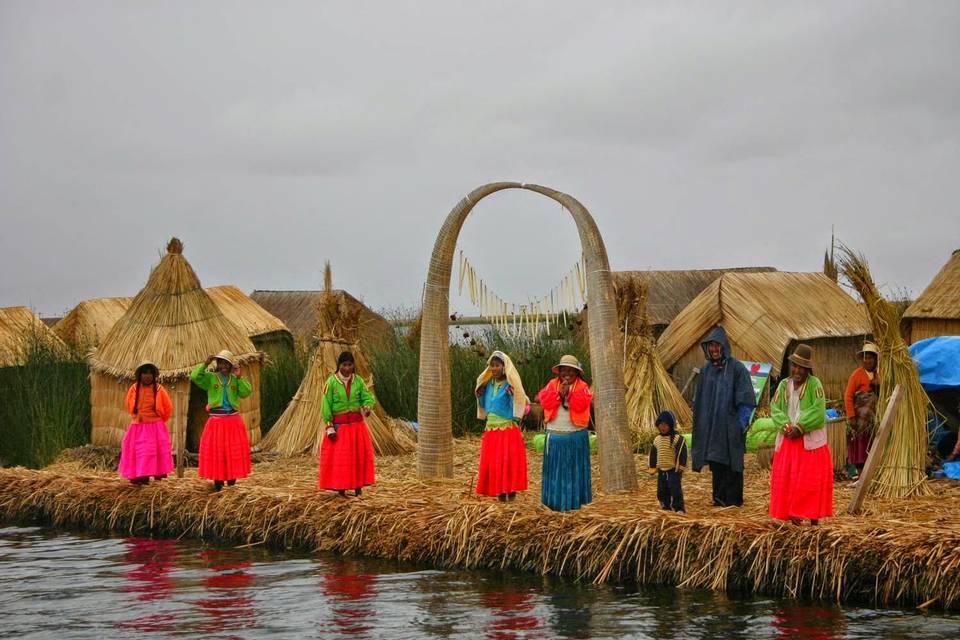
237,370
209,360
365,411
509,391
480,389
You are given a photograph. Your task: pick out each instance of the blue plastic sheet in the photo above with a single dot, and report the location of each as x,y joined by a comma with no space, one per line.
938,362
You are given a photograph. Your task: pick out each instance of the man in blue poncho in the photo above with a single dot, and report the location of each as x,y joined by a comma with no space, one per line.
721,415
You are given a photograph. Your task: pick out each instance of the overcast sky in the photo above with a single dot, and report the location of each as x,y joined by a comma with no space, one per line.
271,136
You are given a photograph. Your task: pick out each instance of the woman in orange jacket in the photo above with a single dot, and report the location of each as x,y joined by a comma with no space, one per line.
860,401
565,483
145,450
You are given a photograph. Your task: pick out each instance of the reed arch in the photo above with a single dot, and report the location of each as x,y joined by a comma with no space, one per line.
435,440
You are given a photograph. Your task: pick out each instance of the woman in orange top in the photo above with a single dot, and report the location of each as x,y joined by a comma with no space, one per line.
860,401
566,399
145,450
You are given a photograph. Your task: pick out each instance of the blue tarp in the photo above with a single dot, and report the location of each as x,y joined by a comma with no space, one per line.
938,361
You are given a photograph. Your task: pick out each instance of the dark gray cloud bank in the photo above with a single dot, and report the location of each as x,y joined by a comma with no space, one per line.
273,136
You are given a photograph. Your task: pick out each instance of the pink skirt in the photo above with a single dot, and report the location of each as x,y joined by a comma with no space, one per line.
503,462
224,448
145,451
348,462
801,482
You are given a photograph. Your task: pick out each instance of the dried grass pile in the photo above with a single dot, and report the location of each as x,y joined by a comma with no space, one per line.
90,458
299,428
650,389
898,553
902,471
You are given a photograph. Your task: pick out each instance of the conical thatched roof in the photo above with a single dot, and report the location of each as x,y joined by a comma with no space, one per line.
941,298
245,312
91,320
19,329
173,323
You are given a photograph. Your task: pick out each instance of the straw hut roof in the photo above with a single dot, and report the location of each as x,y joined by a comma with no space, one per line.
763,312
669,292
88,322
18,328
245,312
941,298
173,323
299,310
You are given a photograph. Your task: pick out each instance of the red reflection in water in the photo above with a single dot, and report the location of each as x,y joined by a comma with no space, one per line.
149,578
816,623
350,592
230,604
508,608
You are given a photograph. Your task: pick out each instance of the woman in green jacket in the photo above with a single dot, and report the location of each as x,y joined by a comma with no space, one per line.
224,446
346,453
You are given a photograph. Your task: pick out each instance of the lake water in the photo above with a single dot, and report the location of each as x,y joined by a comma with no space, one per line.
60,585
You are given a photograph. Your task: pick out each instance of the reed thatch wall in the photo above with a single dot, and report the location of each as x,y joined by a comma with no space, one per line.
19,328
923,328
435,438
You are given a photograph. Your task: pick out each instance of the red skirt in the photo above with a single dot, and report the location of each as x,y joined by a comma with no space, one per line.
348,462
801,482
503,462
224,448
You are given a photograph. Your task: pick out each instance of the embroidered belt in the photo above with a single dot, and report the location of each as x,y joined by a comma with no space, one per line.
347,417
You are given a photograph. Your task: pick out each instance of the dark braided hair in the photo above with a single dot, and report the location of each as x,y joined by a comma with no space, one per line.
136,396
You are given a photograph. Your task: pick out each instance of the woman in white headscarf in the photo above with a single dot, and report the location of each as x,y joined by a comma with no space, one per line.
501,403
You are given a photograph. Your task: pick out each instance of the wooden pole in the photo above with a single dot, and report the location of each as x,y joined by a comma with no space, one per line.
876,452
180,434
693,374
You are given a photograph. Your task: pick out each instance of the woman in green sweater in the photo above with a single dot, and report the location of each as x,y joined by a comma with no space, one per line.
346,453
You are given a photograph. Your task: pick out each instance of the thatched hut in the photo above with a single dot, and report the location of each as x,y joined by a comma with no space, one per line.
668,292
88,322
267,331
765,316
20,331
174,323
937,311
299,311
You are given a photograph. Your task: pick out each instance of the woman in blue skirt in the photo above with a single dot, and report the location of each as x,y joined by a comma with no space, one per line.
566,458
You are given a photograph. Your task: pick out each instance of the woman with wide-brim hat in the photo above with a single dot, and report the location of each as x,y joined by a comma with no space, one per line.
145,450
224,445
565,481
801,481
860,402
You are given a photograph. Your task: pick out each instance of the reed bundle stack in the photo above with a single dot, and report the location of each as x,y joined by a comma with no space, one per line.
173,323
300,427
650,389
902,471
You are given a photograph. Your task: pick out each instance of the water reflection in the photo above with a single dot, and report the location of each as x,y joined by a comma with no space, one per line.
149,578
351,593
817,623
228,603
512,611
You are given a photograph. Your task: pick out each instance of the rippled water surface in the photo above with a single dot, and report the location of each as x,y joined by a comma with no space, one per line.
58,585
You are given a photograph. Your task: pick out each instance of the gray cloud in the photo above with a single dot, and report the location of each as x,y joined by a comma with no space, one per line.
272,137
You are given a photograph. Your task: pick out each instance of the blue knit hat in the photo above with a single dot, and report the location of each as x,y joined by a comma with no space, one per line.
667,416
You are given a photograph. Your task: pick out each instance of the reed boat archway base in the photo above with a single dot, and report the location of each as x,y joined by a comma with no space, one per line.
435,439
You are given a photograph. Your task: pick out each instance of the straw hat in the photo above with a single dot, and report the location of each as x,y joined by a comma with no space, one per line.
225,355
869,347
147,363
567,361
802,356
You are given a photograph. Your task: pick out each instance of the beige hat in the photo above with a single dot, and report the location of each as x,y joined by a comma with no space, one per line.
802,356
869,347
226,355
147,363
567,361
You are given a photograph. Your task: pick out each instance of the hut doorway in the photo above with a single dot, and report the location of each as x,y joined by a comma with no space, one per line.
435,441
196,417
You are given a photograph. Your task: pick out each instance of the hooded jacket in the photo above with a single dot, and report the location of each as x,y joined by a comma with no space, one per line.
721,407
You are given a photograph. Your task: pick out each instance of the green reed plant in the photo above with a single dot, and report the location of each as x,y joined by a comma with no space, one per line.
279,380
44,405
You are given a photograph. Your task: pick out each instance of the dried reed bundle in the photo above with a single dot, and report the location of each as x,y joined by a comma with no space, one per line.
902,467
897,554
650,389
299,428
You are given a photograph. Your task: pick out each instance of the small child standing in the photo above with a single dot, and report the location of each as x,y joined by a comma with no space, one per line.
668,458
145,450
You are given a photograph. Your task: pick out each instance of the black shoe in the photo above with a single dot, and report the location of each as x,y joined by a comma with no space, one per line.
356,491
217,485
343,493
511,496
502,497
230,483
160,477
